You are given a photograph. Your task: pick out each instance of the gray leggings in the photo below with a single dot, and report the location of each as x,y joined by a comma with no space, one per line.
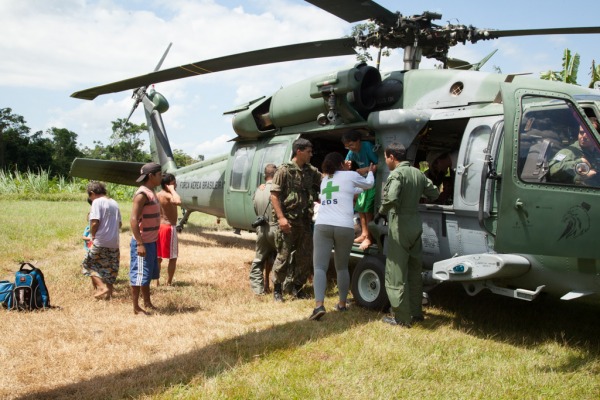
325,238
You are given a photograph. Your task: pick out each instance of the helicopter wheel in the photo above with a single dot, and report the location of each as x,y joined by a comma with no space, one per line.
368,283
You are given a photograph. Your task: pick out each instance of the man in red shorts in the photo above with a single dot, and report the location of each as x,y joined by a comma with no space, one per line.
167,233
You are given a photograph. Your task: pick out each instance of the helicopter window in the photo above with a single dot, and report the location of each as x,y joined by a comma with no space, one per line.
242,164
473,163
271,154
457,88
555,144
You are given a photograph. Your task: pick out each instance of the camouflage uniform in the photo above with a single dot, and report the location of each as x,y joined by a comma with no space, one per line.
298,188
562,166
403,189
265,238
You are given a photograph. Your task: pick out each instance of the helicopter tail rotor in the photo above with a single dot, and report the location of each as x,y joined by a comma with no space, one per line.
139,93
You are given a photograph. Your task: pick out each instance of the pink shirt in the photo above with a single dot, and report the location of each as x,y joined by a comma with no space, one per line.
150,221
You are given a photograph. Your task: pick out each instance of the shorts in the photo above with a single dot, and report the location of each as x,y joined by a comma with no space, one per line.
101,262
143,269
167,245
366,201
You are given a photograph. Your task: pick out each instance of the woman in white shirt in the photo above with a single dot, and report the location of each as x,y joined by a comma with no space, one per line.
334,227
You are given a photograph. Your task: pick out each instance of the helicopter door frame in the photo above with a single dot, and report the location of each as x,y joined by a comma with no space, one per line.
537,216
470,165
245,171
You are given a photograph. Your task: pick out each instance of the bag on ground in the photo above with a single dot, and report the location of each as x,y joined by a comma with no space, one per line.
6,294
30,291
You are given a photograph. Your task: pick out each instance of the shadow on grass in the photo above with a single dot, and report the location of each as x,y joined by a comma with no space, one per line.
572,324
206,362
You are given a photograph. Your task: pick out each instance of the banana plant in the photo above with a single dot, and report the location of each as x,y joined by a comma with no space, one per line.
568,74
595,73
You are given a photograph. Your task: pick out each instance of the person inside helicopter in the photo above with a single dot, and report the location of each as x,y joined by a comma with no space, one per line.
442,175
577,163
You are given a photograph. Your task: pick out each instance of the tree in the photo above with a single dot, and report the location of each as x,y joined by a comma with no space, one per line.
19,150
64,150
99,151
126,143
568,74
182,159
38,154
365,29
13,132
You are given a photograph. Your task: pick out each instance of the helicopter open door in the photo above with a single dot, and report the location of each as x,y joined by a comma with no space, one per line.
544,209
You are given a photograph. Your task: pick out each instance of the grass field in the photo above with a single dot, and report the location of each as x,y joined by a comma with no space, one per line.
212,339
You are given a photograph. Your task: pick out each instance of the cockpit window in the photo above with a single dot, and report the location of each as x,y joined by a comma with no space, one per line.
556,146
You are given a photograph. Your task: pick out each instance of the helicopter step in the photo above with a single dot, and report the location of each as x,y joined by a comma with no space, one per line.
473,288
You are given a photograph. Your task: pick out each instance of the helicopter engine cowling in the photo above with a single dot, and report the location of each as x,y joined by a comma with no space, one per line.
354,92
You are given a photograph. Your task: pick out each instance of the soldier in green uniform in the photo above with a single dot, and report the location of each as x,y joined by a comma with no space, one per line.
293,192
403,189
578,163
265,234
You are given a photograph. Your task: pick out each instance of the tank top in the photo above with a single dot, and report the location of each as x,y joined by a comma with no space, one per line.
150,221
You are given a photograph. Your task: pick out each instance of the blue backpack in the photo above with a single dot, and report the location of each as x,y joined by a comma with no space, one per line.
30,291
6,294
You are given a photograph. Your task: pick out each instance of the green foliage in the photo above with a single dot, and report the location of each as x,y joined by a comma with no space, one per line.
568,74
18,149
594,73
182,159
120,192
23,152
570,67
367,29
551,76
99,151
126,142
41,186
28,185
64,150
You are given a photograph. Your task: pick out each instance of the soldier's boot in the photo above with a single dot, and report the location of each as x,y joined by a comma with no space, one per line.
277,294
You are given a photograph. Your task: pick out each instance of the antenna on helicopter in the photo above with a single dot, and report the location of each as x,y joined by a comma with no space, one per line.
138,94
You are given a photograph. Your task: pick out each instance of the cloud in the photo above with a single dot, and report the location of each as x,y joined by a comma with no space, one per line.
56,48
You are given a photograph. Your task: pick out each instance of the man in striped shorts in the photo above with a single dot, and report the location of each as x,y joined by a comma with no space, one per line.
167,234
144,221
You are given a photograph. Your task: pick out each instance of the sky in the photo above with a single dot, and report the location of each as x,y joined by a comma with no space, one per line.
50,49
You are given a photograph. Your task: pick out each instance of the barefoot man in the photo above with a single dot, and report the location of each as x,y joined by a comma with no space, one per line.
144,221
167,234
101,262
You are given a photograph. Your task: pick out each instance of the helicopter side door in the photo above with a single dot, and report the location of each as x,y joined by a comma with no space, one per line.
245,171
547,205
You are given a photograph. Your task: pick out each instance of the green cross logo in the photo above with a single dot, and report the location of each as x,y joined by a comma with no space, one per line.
329,189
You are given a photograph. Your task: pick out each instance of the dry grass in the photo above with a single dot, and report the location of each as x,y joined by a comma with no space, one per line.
213,339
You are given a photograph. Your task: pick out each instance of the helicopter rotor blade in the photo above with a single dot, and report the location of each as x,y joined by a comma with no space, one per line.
356,10
493,34
163,57
301,51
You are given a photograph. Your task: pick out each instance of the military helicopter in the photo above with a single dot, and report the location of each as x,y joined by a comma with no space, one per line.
511,226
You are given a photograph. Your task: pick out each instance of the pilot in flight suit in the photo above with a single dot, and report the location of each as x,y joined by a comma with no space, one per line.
403,189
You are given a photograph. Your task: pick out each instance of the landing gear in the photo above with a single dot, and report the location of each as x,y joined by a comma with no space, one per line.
183,220
368,283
